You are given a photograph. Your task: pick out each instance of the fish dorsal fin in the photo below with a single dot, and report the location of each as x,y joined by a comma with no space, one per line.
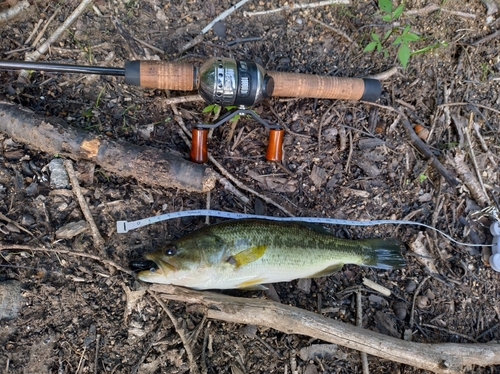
332,269
247,256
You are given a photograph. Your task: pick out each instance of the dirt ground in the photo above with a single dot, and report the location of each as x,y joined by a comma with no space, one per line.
343,159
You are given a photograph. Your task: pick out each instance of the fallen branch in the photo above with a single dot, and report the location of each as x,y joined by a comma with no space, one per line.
444,358
13,11
147,165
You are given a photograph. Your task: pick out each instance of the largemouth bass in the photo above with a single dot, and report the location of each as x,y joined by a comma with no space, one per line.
247,253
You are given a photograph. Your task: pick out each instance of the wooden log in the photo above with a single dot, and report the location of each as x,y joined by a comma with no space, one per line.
443,358
147,165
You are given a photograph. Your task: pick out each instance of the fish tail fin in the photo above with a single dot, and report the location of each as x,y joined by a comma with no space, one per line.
383,253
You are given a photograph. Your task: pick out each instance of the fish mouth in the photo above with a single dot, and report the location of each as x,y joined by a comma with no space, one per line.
143,265
151,268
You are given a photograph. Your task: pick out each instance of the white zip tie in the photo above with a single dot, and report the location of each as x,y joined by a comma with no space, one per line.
125,226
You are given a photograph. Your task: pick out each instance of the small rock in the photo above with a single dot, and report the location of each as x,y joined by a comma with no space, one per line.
27,220
248,330
400,310
410,286
10,299
311,369
58,175
376,299
32,189
220,29
304,284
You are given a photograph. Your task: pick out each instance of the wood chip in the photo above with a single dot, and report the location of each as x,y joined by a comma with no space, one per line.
376,287
71,230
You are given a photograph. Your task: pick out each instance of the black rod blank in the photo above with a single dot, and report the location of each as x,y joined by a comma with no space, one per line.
61,68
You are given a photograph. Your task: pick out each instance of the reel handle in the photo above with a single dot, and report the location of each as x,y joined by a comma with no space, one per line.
274,150
198,152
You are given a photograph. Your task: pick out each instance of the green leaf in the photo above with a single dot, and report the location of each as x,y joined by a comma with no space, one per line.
385,6
209,108
404,54
398,40
387,18
387,34
411,37
375,37
398,11
370,47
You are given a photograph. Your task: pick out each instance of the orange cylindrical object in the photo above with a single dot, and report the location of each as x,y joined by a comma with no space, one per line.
199,145
315,86
275,146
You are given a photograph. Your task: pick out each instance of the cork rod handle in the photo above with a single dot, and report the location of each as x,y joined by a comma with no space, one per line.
161,75
321,87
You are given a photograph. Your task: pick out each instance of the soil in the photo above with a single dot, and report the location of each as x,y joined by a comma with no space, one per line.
343,159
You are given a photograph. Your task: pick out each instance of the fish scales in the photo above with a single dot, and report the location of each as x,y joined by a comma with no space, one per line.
247,253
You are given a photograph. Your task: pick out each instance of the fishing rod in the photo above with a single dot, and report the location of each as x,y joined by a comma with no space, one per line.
225,82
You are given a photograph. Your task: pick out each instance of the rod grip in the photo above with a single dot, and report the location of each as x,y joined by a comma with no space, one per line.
199,145
321,87
162,75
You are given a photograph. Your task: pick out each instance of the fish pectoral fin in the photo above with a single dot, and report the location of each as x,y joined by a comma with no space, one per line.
252,285
247,256
327,271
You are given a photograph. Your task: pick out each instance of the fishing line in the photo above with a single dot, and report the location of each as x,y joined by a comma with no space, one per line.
125,226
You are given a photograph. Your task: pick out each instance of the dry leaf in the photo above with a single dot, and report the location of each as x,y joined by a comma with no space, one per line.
423,256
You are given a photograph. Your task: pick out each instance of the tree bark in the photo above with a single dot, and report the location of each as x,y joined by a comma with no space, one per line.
443,358
147,165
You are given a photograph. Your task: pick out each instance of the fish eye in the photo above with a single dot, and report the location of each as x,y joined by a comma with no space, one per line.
170,251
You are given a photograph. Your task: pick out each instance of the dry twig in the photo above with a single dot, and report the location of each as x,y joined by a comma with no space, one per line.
468,179
444,358
359,323
297,6
20,227
35,55
180,332
223,15
13,11
40,34
96,235
473,156
433,7
385,74
337,31
15,247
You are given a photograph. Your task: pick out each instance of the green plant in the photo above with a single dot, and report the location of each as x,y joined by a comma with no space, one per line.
401,34
422,177
214,108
